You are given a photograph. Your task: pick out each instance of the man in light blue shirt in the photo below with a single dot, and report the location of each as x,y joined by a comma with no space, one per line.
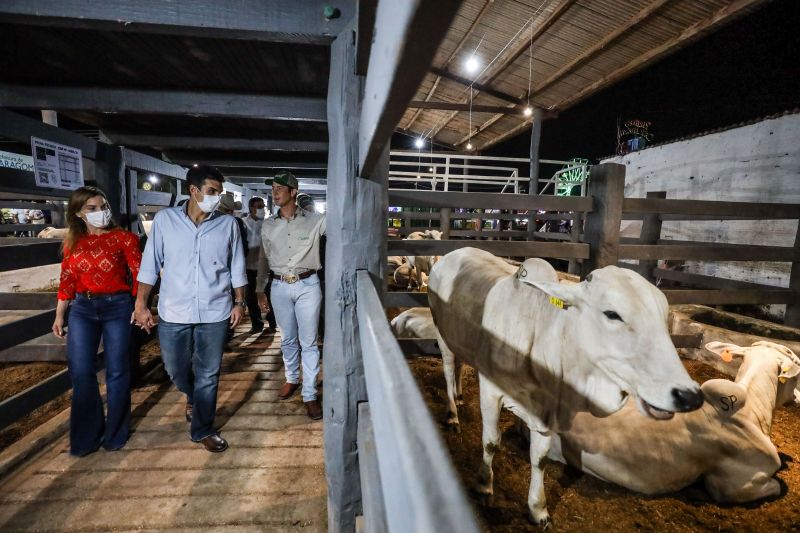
197,251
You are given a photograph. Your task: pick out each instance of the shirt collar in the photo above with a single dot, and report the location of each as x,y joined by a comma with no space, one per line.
299,212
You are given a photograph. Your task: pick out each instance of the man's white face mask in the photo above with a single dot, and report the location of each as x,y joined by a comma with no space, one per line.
209,203
99,219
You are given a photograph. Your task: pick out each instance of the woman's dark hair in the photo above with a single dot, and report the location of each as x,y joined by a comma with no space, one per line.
198,175
76,227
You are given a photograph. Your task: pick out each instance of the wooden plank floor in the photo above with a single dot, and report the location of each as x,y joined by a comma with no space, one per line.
270,479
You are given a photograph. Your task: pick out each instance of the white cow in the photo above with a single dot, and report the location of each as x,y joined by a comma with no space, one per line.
422,264
726,442
557,349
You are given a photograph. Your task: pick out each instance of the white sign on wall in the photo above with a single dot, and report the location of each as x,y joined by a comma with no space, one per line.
56,165
16,161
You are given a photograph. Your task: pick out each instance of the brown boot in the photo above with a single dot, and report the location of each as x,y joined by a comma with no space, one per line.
287,390
314,409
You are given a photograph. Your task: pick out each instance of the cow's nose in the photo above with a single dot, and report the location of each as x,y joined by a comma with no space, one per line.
687,399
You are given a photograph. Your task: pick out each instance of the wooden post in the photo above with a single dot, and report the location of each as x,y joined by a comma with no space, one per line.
651,232
607,187
110,176
792,316
575,236
356,220
444,222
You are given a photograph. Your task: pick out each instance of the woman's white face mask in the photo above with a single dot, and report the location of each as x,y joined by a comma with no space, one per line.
260,214
99,219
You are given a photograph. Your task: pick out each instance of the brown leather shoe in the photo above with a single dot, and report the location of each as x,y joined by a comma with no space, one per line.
214,443
314,409
189,412
287,390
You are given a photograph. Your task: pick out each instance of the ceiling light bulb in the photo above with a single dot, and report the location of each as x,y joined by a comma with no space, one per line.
472,64
419,143
195,165
469,146
528,111
430,169
152,178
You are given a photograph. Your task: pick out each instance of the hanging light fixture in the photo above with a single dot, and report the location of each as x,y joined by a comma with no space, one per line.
472,65
528,111
419,142
469,147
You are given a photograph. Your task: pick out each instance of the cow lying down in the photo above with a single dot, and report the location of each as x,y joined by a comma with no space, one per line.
726,443
557,349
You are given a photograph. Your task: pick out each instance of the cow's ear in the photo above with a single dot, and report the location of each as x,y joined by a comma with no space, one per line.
726,396
725,350
561,294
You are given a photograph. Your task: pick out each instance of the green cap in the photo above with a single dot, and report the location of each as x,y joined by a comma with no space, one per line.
283,178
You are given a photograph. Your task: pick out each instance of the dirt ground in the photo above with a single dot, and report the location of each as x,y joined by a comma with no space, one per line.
16,377
578,502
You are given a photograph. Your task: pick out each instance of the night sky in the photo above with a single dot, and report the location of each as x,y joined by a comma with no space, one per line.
746,70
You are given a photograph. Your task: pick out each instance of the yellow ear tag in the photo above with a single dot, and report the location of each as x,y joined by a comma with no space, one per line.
557,302
726,355
782,379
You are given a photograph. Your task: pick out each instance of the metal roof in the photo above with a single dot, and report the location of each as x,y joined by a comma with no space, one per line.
551,54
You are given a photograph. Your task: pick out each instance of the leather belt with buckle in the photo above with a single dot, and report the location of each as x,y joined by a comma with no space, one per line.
89,295
294,278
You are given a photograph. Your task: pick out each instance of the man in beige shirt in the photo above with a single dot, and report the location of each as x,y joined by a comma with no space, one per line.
290,254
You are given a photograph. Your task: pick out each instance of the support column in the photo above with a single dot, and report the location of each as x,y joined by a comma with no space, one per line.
110,177
533,184
356,220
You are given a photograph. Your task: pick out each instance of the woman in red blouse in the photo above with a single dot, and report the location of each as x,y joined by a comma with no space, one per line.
98,276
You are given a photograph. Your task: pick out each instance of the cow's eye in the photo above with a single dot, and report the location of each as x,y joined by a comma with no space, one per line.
612,315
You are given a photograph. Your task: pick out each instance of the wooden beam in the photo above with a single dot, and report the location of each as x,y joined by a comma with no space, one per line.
562,250
25,329
164,102
19,405
411,453
45,252
405,299
364,34
710,252
480,200
467,34
290,21
146,163
187,159
27,300
478,87
729,297
607,187
722,16
369,470
710,282
710,208
216,143
21,128
407,35
459,106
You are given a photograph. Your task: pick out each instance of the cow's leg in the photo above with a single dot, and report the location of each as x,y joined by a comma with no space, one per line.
449,367
491,400
459,382
537,504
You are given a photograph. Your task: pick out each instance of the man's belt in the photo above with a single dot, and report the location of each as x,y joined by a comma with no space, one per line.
293,278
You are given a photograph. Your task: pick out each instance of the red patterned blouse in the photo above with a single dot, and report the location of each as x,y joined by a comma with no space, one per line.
100,263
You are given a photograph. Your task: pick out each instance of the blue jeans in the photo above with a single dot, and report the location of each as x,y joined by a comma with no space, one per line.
192,355
109,317
297,308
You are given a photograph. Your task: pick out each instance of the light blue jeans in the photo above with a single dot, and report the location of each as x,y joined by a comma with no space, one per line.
296,307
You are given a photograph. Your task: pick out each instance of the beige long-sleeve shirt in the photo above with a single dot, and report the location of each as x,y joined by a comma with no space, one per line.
289,246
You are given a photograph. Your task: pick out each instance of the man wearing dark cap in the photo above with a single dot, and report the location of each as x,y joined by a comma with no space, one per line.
290,255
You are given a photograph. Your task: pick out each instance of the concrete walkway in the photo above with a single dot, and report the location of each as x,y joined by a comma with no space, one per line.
270,479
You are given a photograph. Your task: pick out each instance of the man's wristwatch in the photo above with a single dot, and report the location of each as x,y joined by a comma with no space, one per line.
240,303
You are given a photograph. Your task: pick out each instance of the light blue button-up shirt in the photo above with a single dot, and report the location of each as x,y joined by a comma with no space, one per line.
198,265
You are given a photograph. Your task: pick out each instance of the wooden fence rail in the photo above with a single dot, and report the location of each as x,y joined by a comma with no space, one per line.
421,491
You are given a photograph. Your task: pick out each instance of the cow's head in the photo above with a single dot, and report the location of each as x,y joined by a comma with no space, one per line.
616,333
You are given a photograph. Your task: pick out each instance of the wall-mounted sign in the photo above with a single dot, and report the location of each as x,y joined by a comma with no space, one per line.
56,166
16,161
